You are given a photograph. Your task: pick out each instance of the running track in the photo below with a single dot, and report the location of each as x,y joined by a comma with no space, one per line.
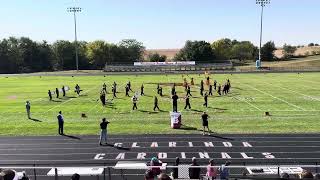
241,149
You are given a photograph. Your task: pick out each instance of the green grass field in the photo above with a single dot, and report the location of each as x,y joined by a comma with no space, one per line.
292,99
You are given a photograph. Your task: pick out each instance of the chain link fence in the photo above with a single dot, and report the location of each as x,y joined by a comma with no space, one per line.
138,171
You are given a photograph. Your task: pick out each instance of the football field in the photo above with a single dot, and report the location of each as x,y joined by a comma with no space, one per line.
292,99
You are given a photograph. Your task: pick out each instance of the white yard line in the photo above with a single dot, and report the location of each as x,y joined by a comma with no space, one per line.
293,105
252,105
287,89
68,100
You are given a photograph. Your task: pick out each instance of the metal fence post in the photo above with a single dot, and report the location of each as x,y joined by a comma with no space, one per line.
104,171
55,173
34,172
109,173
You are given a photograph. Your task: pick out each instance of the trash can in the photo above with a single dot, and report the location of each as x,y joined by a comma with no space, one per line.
175,120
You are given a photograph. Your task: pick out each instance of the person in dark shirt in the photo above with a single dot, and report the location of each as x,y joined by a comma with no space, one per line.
192,82
103,98
50,95
205,100
210,90
129,86
219,90
160,91
174,172
134,102
57,92
156,104
60,123
114,92
173,90
77,89
158,87
215,85
142,90
28,109
63,91
201,88
194,171
205,122
188,91
103,132
127,90
175,102
187,103
104,87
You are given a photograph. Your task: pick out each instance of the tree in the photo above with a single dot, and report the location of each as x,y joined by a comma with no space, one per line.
244,50
155,57
97,53
64,53
222,48
196,51
289,50
267,51
132,50
311,44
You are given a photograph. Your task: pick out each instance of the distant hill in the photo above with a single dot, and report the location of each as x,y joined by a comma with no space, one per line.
170,53
303,51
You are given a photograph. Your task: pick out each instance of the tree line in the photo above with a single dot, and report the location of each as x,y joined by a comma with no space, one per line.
23,55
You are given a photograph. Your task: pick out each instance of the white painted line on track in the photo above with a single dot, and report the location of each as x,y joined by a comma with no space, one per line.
236,138
293,105
135,152
134,159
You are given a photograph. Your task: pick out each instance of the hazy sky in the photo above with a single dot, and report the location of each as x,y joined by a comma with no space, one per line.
162,23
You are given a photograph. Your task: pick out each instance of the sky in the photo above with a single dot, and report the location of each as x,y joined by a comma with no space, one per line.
162,24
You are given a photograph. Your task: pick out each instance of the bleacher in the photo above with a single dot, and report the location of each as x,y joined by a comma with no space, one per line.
223,66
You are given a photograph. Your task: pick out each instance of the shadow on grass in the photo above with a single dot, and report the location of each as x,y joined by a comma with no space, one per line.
218,109
187,128
149,112
117,147
195,110
56,100
35,120
70,136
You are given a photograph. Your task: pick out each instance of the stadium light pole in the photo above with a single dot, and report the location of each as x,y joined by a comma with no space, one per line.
262,3
75,10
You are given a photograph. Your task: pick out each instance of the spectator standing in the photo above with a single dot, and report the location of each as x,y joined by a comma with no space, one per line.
174,172
212,172
28,108
75,176
194,171
60,123
225,171
103,132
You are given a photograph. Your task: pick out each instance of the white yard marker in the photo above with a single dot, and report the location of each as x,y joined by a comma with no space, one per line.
293,105
287,89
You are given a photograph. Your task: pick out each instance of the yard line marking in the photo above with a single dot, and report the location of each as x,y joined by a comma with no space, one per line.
293,91
68,100
250,104
275,97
